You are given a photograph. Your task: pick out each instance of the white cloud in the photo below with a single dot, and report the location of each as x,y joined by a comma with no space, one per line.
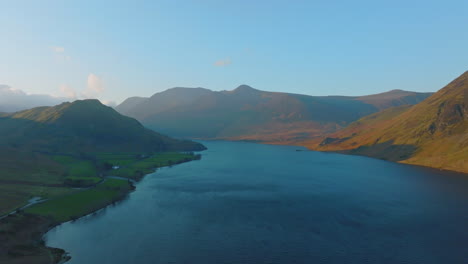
67,91
6,90
95,86
95,83
94,89
14,99
222,63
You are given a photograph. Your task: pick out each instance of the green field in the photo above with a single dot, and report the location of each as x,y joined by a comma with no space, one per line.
77,167
14,196
81,203
51,176
131,165
81,182
136,167
24,175
118,159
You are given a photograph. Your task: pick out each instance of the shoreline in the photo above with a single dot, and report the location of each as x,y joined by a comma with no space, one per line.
34,227
65,256
342,152
347,152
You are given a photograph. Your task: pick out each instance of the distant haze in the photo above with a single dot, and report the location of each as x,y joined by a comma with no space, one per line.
12,100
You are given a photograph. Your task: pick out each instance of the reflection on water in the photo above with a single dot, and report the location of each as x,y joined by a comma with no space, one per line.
249,203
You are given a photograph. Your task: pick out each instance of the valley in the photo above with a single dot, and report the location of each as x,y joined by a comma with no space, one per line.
233,132
66,157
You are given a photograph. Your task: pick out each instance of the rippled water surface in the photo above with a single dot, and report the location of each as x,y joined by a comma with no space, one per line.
251,203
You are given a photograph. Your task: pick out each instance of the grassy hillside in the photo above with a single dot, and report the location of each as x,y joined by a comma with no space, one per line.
45,176
46,149
249,114
432,133
82,126
66,157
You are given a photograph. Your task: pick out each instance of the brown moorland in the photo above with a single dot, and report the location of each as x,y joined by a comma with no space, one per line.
433,133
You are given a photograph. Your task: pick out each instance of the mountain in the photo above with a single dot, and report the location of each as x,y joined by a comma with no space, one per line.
246,113
172,98
130,103
394,98
12,100
432,133
82,126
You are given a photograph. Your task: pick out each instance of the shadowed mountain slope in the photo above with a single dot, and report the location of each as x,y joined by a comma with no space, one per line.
127,105
82,126
432,133
249,114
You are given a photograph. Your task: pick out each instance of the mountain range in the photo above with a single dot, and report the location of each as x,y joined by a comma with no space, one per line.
246,113
82,126
432,133
416,128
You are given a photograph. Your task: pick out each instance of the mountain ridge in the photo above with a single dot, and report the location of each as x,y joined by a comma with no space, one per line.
246,113
81,126
432,133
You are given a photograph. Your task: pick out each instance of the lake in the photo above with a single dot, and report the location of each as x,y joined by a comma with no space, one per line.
253,203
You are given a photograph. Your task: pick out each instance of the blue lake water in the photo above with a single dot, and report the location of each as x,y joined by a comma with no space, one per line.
252,203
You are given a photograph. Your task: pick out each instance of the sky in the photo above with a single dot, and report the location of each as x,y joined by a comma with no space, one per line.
112,50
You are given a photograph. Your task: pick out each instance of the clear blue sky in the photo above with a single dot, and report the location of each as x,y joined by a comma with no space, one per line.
127,48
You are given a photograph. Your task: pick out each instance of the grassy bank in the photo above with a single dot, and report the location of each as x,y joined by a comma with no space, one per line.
136,167
81,203
21,233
